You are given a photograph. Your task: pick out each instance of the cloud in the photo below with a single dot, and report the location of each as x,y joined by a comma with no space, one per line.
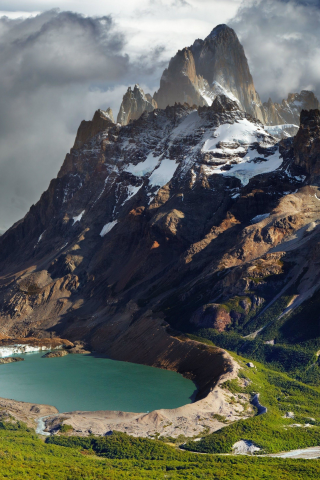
55,69
281,39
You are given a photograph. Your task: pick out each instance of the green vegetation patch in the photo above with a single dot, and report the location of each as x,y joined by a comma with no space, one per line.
24,456
65,428
292,359
271,432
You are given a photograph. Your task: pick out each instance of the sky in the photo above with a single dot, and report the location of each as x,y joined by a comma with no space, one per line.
60,60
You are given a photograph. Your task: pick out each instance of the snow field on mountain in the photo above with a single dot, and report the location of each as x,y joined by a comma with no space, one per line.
249,168
277,129
243,132
187,126
132,190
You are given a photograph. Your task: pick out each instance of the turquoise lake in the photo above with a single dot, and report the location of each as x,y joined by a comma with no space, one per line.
85,382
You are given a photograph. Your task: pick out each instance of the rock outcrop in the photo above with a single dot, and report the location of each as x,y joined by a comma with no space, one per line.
59,353
6,360
210,67
134,103
306,145
211,316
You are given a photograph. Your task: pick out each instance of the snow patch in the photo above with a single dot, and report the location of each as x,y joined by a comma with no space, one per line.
39,239
242,132
142,168
220,90
249,166
187,126
278,129
78,218
108,226
259,218
162,175
132,190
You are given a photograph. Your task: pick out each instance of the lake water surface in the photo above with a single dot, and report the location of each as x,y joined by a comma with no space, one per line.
85,382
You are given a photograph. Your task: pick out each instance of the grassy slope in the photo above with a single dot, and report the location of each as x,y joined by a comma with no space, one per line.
24,456
271,432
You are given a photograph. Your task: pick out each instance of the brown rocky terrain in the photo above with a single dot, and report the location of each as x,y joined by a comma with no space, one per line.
52,342
24,411
110,257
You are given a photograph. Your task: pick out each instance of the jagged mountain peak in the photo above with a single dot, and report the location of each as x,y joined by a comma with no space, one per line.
221,29
223,103
216,65
173,197
88,129
134,103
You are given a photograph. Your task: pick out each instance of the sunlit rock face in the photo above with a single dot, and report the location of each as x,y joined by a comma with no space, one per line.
134,103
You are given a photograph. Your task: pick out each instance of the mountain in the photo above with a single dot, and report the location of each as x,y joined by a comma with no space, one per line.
183,219
216,65
212,67
134,103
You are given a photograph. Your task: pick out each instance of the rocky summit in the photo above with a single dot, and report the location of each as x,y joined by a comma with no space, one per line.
210,67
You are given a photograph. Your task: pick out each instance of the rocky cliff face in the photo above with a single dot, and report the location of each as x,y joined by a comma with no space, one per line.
216,65
185,218
88,129
289,110
306,145
134,103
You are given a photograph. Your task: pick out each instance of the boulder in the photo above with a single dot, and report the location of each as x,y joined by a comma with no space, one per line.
250,364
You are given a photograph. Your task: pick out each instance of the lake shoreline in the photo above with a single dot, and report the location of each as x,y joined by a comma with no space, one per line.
189,420
208,367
